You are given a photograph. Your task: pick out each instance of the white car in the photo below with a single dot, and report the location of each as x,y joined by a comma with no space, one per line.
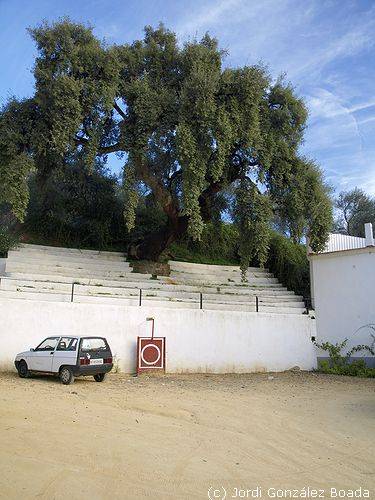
67,356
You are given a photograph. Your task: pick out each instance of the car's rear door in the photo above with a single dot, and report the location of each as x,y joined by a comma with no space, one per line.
95,351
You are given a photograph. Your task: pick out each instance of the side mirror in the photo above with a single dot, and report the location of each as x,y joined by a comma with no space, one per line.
31,348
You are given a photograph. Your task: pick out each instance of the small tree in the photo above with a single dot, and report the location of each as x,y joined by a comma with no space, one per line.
186,128
355,208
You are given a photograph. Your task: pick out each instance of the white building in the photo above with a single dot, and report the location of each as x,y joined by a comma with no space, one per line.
343,291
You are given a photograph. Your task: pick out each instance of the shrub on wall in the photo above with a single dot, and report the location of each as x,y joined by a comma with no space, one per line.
288,262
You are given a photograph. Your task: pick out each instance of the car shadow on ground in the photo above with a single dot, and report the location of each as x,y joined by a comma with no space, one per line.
39,377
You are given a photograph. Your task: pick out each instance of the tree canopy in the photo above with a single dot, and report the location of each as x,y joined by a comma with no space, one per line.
354,209
188,130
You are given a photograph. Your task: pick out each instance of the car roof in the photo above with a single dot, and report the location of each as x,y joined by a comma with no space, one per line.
69,336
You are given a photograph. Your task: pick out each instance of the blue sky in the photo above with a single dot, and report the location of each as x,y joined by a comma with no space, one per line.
326,48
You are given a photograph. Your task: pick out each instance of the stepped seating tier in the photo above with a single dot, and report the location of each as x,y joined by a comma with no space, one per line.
47,273
64,252
143,281
18,258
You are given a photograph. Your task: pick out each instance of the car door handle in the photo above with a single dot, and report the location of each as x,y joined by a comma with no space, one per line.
51,353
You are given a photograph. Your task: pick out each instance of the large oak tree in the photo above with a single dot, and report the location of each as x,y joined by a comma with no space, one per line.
187,128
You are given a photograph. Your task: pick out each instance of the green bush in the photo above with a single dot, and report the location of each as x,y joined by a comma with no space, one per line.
8,240
218,245
339,364
76,208
356,368
288,262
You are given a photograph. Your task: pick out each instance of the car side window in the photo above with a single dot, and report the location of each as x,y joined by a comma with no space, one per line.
93,344
48,344
67,344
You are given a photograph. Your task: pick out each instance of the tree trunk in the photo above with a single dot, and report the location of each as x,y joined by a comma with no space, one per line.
155,243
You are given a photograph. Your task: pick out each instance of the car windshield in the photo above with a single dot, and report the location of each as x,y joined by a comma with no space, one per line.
93,344
48,344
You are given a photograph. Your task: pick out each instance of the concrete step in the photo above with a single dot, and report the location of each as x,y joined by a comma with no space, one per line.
40,281
261,273
251,308
191,267
15,263
175,303
253,283
18,294
134,281
191,297
43,249
207,305
75,272
25,259
35,286
221,279
133,292
149,301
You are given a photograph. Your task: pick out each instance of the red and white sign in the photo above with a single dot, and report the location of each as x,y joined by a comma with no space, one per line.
150,354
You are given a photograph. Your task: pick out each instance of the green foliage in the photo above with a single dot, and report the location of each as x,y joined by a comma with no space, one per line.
356,368
303,206
148,218
76,208
187,129
218,245
354,209
339,364
15,162
13,186
76,83
8,240
252,216
131,196
288,262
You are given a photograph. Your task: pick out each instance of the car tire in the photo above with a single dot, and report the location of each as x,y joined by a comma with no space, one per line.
66,375
99,377
23,370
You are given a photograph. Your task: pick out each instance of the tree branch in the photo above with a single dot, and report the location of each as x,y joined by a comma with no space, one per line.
161,193
119,110
174,176
104,150
81,140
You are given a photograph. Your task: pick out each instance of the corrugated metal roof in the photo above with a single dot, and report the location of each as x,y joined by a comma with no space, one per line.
339,242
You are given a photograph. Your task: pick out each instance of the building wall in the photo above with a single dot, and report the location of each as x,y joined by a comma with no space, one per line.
197,341
344,296
2,266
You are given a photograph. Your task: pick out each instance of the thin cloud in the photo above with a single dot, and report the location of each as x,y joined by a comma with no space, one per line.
207,16
366,120
347,45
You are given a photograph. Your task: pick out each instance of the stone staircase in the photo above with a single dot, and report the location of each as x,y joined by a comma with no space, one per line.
36,272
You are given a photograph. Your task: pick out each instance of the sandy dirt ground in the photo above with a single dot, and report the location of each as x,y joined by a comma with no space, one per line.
175,437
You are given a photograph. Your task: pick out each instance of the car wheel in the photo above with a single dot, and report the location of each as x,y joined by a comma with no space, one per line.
66,375
22,369
99,377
